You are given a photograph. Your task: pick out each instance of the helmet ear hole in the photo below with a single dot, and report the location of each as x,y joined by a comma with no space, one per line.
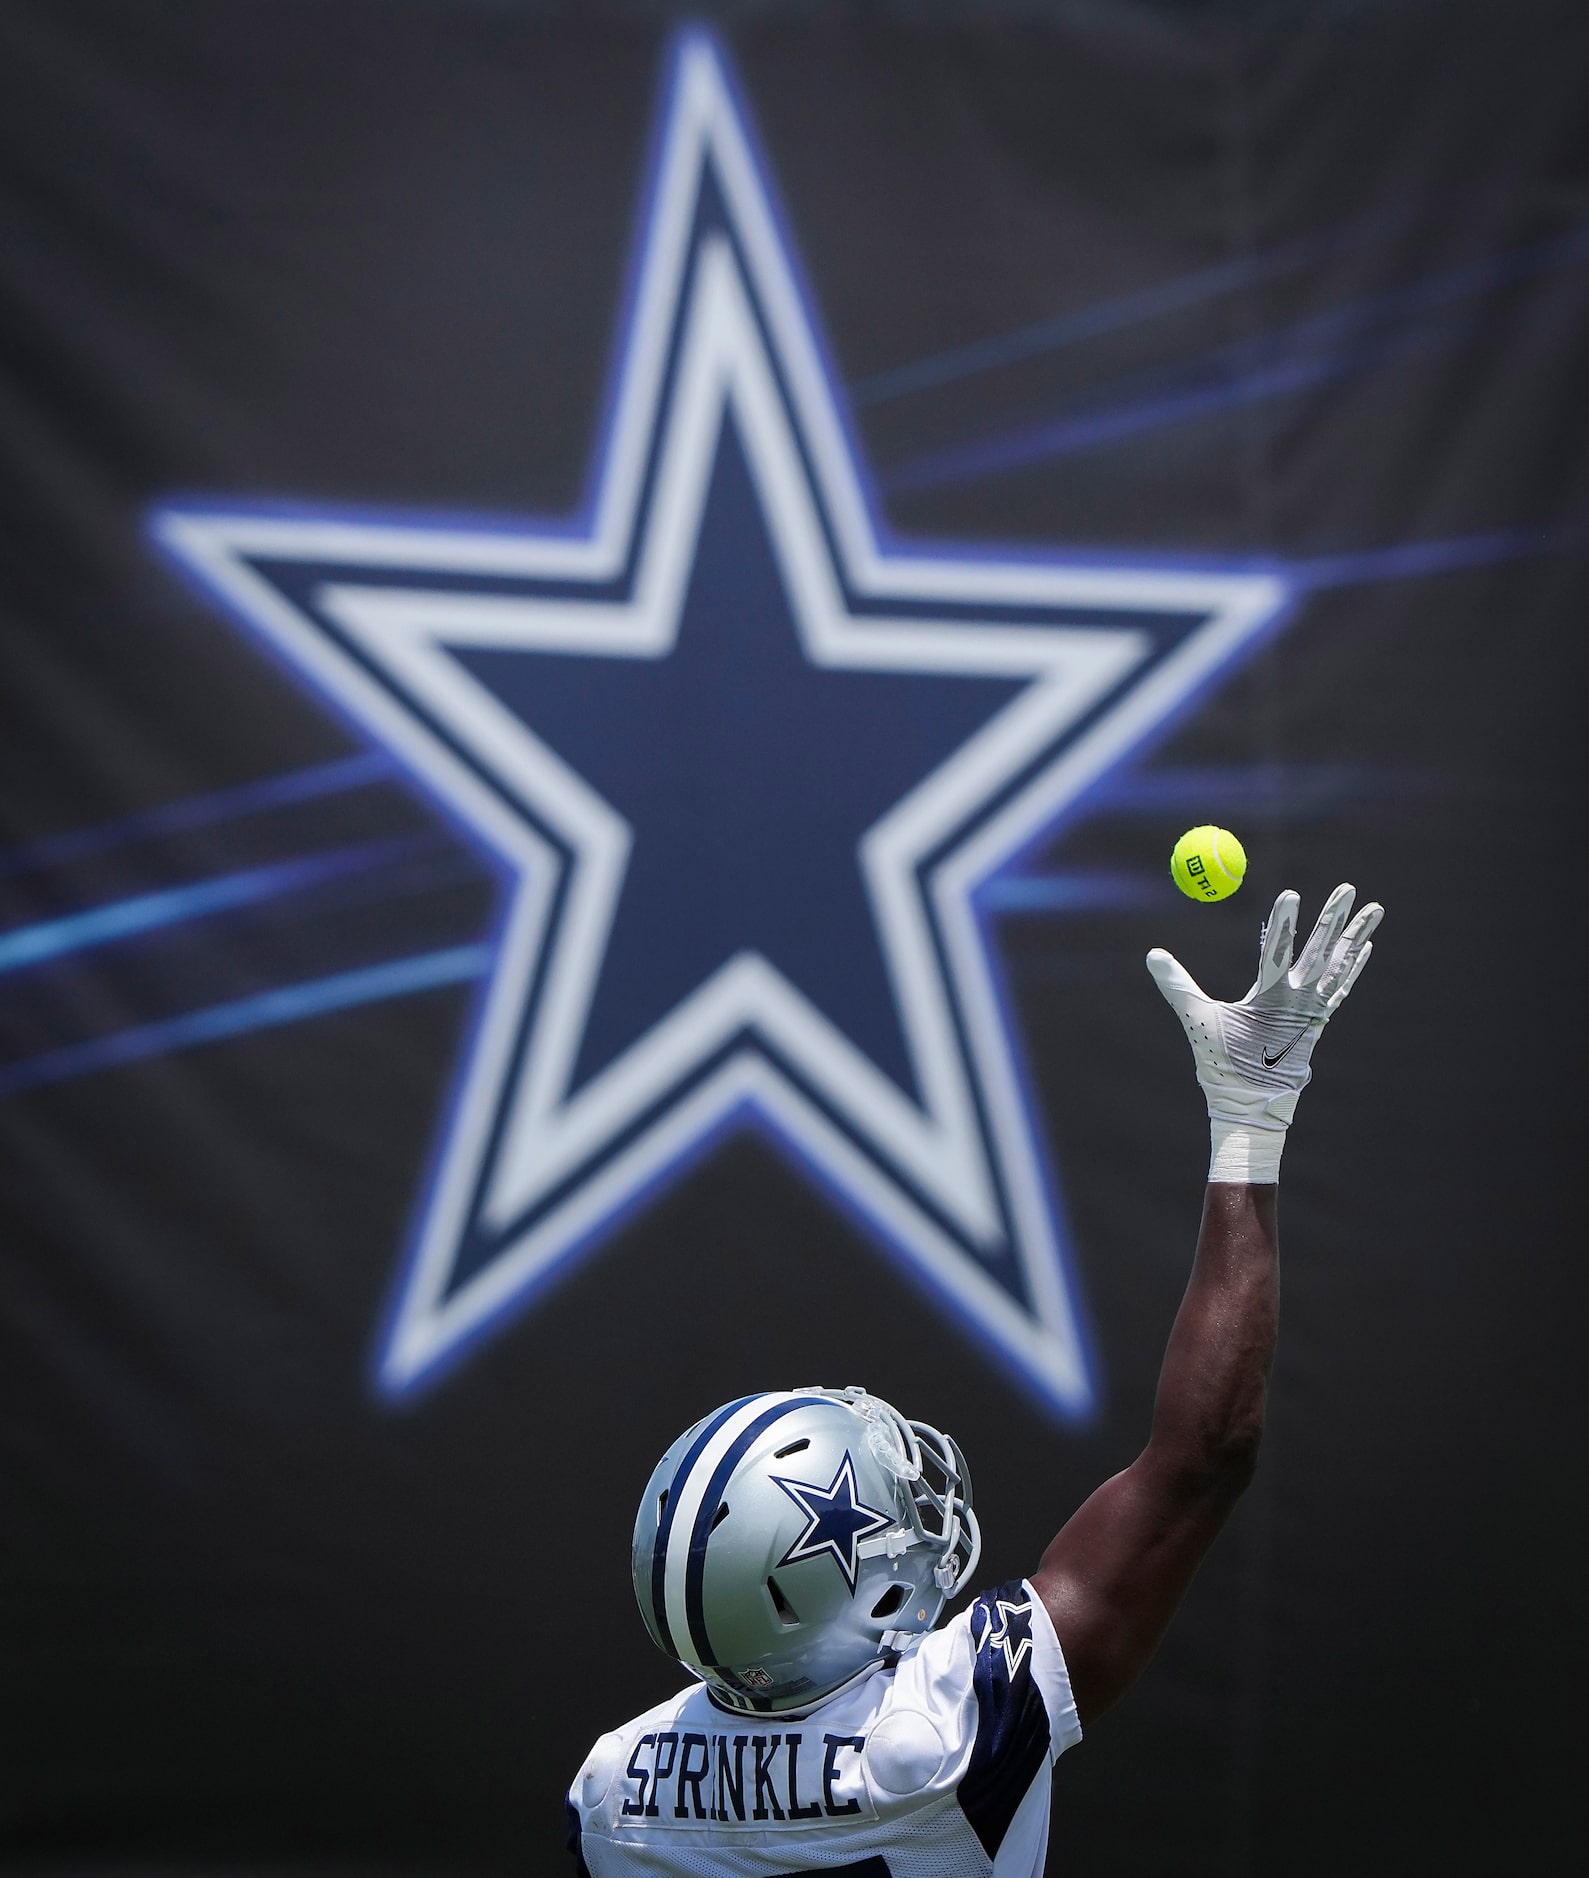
890,1601
787,1616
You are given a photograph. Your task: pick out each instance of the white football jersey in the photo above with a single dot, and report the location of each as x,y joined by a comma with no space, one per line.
935,1768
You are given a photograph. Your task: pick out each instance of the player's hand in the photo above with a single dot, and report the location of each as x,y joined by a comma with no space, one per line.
1253,1057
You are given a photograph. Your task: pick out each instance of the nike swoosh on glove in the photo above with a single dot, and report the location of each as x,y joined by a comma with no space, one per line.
1253,1058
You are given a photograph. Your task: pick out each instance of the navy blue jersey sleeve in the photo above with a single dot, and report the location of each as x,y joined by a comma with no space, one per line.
1025,1714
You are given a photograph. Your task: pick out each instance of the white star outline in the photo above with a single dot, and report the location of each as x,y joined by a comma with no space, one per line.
802,1492
946,1184
997,1635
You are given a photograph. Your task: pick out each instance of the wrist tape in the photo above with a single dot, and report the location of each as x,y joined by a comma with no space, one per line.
1245,1156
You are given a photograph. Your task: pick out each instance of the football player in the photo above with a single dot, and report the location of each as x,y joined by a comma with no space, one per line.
793,1551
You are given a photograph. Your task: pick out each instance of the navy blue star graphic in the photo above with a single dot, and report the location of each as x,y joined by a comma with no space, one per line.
743,765
749,776
836,1521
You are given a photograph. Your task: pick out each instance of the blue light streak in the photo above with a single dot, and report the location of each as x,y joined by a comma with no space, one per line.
1414,560
1107,316
287,1004
1253,370
222,805
1097,891
1293,790
1114,423
148,912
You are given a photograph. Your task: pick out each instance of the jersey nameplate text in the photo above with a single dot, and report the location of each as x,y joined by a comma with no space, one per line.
685,1778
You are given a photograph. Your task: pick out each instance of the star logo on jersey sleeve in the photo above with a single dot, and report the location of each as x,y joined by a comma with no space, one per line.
836,1521
742,765
1007,1628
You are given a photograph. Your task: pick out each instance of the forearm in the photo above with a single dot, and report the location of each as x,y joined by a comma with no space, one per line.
1209,1412
1114,1575
1119,1567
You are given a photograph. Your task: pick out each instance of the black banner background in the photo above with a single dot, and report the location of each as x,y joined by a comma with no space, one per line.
371,255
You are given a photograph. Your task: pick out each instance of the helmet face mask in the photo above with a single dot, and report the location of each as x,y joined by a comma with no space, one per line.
784,1544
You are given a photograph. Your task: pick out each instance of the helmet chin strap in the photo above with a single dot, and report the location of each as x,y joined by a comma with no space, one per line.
896,1542
891,1544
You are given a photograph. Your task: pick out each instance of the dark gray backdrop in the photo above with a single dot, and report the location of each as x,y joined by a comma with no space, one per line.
372,253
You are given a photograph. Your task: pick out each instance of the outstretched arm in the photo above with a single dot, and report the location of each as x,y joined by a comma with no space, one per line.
1114,1576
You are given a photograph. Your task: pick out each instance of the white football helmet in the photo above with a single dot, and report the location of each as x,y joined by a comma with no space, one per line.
786,1543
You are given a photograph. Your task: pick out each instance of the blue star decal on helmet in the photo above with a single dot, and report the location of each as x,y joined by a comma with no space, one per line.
836,1521
742,763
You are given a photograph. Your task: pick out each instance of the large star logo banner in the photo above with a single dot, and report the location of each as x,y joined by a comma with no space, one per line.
742,763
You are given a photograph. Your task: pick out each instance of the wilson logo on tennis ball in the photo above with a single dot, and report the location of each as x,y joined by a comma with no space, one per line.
1208,863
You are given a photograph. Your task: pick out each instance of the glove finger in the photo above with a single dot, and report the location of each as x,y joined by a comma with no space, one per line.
1337,998
1274,945
1173,979
1321,942
1351,943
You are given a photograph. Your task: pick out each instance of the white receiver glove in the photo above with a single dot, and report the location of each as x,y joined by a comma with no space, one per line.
1253,1057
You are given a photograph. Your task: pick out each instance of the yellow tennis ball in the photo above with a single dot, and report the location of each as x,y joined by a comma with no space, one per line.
1208,863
